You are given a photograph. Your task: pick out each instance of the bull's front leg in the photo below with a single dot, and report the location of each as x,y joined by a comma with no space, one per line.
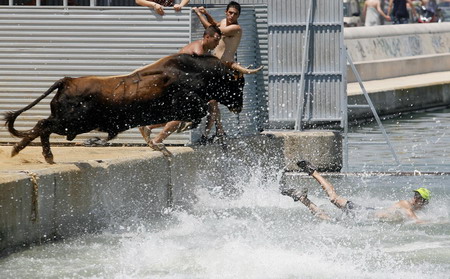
157,146
157,143
147,130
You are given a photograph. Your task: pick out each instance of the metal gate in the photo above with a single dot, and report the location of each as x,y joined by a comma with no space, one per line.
39,45
307,63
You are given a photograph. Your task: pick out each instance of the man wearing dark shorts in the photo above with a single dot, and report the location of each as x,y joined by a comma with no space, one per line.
400,14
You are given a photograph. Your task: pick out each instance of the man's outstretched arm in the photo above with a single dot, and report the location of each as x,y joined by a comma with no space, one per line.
205,18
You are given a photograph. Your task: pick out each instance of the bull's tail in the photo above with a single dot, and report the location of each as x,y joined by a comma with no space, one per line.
10,116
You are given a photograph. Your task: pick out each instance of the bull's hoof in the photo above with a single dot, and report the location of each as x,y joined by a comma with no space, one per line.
14,152
49,159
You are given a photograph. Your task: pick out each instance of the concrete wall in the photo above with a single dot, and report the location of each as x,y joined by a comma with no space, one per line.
389,51
394,101
73,198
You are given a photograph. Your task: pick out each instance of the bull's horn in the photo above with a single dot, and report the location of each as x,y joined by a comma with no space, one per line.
241,69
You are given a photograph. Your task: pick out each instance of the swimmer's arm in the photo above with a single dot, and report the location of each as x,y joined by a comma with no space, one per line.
414,217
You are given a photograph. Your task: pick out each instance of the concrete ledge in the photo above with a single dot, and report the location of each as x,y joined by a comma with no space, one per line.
390,51
382,31
399,67
392,101
395,41
40,202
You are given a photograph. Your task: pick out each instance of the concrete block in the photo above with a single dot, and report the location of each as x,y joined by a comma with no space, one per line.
26,210
15,212
75,200
134,188
322,148
78,197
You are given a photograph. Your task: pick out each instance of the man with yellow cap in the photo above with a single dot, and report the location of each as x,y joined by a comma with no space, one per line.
400,210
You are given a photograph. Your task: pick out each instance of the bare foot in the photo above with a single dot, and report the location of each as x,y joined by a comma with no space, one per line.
160,147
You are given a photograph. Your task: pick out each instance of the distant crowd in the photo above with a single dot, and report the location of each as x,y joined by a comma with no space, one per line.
379,12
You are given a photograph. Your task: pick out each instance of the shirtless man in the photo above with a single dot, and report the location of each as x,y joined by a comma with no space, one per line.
158,5
210,40
225,51
402,208
372,11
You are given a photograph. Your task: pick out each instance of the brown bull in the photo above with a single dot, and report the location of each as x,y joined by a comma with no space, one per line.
176,87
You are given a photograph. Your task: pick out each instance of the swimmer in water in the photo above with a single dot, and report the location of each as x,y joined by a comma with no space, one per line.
403,208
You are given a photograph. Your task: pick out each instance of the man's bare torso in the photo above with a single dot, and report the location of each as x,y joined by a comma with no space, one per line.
228,45
193,48
400,210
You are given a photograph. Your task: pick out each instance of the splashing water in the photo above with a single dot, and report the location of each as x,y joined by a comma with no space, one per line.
255,232
258,234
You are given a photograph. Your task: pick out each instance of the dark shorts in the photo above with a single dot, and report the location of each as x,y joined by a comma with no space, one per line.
400,20
165,3
351,207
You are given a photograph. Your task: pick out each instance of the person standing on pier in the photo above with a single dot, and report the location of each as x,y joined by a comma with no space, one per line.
372,11
400,11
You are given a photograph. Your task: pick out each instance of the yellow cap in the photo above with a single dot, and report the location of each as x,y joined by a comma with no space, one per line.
425,193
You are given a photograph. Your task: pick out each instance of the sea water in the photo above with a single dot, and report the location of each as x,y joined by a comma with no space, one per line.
259,233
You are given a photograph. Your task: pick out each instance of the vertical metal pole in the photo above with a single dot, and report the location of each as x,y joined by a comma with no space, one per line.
344,98
93,3
345,163
65,3
10,3
301,94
